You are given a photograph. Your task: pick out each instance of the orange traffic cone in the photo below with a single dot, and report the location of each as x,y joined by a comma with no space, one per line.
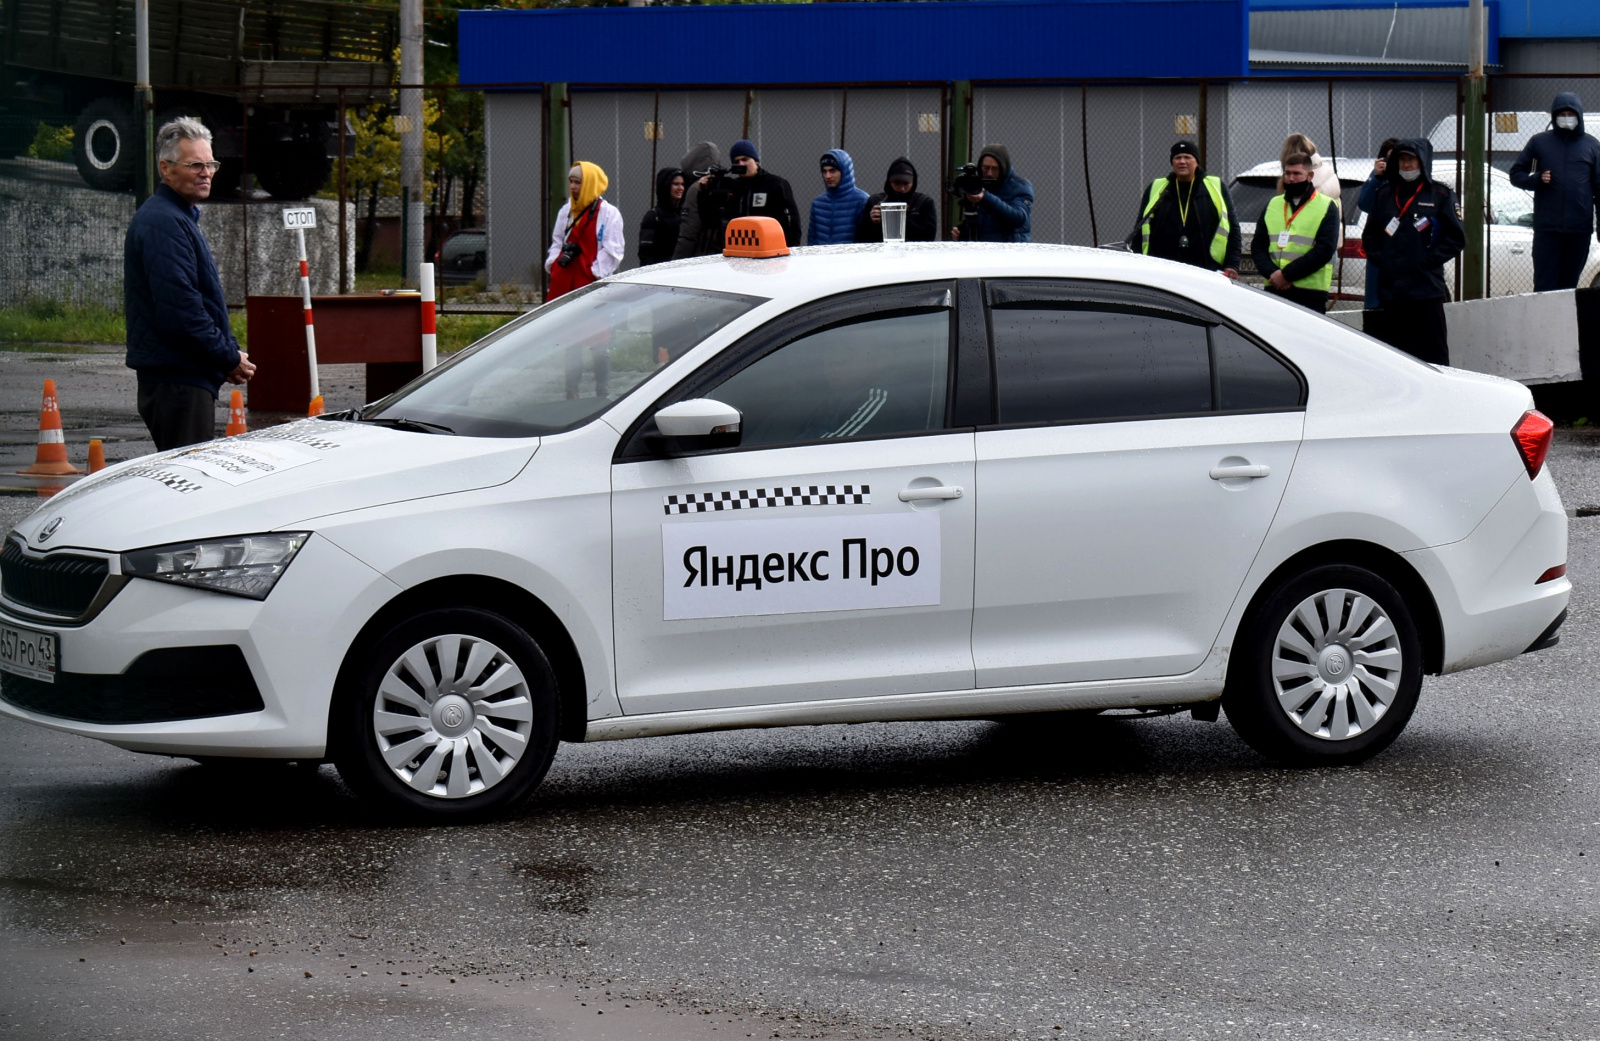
50,459
97,455
316,406
236,423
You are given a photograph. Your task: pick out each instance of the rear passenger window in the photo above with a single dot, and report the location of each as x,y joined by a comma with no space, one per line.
1057,365
1248,378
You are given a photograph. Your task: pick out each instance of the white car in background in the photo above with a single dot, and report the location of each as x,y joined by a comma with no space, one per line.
1510,259
934,481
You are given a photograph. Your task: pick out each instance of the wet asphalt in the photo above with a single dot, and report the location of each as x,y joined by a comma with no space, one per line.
1080,878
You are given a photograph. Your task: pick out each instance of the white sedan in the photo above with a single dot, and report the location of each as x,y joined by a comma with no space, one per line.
840,485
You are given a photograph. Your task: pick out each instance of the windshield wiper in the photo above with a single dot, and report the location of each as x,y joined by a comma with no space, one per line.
349,415
420,426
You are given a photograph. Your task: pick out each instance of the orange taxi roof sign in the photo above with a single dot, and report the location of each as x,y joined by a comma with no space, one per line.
756,238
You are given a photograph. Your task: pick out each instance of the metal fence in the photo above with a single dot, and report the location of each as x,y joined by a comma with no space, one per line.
1089,149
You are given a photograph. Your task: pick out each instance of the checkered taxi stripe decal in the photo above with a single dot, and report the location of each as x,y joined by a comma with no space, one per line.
763,498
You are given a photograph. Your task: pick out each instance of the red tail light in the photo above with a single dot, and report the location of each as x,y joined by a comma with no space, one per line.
1532,438
1554,573
1353,250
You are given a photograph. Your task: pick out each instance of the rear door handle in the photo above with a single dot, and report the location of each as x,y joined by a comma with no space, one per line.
938,491
1228,473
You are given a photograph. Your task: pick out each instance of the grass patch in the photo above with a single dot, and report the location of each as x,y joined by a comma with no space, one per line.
461,330
47,321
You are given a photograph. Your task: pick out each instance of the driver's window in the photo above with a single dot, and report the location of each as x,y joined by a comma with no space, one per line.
870,378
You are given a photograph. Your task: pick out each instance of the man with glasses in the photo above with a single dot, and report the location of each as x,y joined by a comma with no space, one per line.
179,341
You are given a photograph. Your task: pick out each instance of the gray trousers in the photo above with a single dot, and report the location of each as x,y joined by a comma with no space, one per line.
177,414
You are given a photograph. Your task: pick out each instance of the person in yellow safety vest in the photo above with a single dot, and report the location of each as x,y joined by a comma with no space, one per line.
1188,216
1295,239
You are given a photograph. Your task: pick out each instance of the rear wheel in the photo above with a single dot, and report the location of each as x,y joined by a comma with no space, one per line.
1328,671
454,717
105,145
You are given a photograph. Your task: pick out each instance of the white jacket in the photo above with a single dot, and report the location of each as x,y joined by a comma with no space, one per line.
1323,179
607,236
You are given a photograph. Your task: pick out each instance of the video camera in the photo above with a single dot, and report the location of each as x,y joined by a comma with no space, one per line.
967,180
717,173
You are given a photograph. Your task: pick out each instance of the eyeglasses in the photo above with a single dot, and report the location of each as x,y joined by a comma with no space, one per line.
212,167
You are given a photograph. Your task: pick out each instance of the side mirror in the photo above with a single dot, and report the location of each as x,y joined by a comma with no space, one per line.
699,423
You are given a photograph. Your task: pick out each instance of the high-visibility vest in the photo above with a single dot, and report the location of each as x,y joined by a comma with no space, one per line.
1219,241
1302,228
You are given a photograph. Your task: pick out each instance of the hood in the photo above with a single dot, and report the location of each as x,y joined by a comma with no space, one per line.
1002,155
664,187
702,156
1422,148
268,480
847,166
594,186
1566,100
888,190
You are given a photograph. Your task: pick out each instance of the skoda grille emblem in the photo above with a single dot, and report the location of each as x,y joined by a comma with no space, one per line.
48,530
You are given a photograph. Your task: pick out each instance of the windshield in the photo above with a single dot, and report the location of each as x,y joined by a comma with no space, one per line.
563,364
1251,194
1510,204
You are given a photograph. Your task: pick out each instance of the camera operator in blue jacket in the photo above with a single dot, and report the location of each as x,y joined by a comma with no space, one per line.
1001,208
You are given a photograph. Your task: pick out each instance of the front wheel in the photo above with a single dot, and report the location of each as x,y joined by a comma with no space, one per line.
454,717
1327,671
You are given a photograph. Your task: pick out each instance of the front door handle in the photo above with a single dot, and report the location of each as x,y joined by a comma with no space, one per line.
1229,473
938,491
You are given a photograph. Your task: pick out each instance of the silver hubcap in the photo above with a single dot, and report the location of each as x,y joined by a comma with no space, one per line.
453,716
1336,664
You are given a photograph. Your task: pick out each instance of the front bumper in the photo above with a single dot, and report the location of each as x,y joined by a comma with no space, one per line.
128,672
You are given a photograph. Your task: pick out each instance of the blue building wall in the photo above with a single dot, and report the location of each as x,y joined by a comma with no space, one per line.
858,42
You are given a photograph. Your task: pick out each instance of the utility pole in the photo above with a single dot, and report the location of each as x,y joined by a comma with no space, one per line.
1475,153
410,129
144,108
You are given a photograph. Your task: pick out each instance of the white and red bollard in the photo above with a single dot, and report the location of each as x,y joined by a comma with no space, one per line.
430,321
298,220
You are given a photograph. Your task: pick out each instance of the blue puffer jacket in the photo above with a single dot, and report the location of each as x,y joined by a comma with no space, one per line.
834,213
172,298
1568,202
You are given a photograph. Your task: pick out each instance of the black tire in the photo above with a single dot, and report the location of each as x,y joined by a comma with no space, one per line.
1360,651
106,146
359,750
296,168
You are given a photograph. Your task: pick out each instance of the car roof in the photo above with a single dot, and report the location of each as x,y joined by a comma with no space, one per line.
1358,170
813,272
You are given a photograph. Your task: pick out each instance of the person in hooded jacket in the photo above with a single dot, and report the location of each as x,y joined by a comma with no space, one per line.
1413,231
585,248
1561,167
1003,206
693,237
658,231
834,213
922,213
749,191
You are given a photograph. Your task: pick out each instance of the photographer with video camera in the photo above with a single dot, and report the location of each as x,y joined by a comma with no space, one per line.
697,164
745,190
996,204
588,242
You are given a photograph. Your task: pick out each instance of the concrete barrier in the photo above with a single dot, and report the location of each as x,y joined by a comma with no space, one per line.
62,241
1532,338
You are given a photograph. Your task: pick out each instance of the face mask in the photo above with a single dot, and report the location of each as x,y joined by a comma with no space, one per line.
1567,122
1295,193
1410,175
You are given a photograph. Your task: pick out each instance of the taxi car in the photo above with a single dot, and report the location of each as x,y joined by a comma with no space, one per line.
830,485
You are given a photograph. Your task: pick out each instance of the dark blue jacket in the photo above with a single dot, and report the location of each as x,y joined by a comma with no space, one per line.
172,298
1005,213
1427,236
834,213
1568,202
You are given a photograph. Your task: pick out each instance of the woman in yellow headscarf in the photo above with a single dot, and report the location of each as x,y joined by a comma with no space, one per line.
588,242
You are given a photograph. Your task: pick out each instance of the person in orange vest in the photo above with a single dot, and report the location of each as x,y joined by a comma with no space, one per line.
587,246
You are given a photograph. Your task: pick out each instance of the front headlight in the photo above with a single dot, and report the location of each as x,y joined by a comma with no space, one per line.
244,565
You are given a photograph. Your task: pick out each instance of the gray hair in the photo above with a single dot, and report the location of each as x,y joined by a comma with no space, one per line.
184,128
